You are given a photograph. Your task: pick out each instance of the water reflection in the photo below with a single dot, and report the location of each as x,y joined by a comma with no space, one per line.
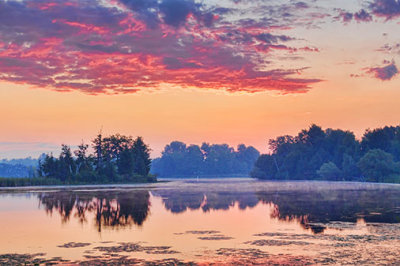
179,202
111,209
311,208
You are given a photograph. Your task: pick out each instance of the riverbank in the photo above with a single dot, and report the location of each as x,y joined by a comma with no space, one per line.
45,181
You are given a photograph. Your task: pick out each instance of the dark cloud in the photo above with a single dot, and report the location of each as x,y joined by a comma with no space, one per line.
172,12
362,15
384,73
175,12
270,39
176,63
145,10
388,9
301,5
345,16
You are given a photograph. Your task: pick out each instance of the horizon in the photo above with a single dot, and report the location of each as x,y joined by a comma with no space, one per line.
223,71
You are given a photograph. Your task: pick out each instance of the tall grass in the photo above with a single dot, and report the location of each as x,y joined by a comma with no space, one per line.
24,182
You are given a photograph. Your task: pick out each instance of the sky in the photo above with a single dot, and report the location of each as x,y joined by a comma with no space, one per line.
220,71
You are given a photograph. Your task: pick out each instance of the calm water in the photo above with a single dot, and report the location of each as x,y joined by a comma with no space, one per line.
227,221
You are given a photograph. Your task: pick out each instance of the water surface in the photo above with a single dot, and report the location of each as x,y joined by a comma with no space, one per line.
226,221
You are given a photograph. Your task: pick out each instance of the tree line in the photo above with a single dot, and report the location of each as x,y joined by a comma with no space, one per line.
181,160
24,167
116,158
333,154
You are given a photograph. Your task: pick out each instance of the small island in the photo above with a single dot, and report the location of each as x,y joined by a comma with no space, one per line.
116,159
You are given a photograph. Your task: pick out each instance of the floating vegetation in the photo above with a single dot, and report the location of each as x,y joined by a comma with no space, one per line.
215,237
28,259
136,247
74,245
269,242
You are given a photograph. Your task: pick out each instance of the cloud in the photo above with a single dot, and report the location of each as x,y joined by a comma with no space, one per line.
126,46
388,9
345,16
360,16
175,12
384,73
390,48
171,12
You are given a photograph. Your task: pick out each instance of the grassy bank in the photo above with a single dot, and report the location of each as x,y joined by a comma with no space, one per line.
24,182
45,181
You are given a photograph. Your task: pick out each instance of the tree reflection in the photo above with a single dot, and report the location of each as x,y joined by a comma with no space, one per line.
313,208
110,209
179,202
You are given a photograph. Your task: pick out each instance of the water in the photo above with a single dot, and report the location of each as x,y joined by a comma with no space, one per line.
227,221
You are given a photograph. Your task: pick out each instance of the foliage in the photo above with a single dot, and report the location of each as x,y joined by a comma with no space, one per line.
179,159
329,171
332,155
386,139
116,158
376,164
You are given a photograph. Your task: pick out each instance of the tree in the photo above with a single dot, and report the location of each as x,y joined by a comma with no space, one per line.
66,167
98,150
116,158
49,166
245,158
379,138
302,156
265,167
179,159
82,161
330,171
349,168
126,162
376,164
141,157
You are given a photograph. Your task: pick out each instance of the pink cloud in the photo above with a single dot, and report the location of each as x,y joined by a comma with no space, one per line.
126,48
384,73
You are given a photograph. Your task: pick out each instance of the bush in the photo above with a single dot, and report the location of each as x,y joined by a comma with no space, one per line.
376,165
330,171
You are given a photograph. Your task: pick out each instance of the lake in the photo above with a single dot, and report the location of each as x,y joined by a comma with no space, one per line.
208,221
